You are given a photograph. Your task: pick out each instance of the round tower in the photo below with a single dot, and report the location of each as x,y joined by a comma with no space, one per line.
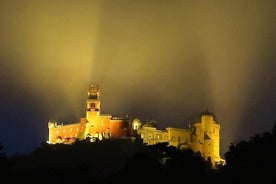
210,134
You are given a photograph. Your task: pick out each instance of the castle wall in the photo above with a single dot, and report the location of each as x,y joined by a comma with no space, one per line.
195,138
216,139
178,136
92,116
119,128
64,133
147,134
207,122
99,125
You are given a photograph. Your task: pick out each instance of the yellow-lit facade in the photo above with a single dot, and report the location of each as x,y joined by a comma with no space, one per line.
202,136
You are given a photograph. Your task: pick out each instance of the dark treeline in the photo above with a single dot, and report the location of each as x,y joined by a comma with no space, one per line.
124,161
252,160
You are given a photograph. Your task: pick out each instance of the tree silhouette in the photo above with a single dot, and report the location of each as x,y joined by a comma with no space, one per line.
252,160
4,163
110,161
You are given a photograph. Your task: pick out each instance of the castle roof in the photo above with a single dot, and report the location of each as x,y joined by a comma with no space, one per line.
206,112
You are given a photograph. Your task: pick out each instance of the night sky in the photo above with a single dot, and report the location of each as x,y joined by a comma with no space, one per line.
162,60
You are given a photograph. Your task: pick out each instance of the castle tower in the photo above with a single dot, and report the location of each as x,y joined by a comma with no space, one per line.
93,103
93,107
210,137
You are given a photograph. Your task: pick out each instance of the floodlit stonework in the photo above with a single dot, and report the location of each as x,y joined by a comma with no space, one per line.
201,136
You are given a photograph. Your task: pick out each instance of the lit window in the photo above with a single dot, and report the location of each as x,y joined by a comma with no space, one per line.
71,130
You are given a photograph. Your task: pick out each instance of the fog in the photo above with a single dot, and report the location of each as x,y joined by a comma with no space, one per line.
158,60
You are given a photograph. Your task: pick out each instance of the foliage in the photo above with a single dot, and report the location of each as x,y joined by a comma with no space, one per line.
4,163
124,161
253,160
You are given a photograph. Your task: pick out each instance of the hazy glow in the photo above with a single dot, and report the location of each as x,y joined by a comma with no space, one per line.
52,45
162,60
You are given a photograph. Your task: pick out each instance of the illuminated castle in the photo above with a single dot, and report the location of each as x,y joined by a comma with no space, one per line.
95,126
202,136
